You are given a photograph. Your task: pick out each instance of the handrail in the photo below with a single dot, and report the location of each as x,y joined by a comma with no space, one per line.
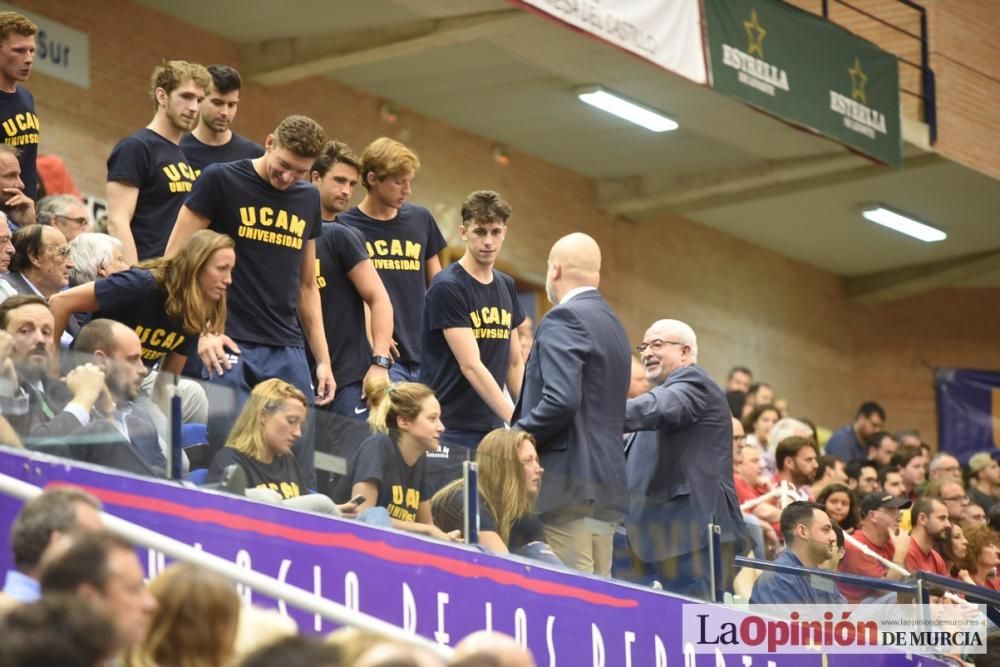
844,577
293,595
987,595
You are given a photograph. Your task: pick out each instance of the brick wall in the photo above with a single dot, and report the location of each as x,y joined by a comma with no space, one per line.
788,321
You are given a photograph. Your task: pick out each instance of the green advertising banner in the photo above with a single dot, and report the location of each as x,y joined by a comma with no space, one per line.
808,71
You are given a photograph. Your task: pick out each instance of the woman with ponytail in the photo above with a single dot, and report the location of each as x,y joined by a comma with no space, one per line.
388,469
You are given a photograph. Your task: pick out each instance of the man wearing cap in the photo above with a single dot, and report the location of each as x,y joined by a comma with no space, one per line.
930,523
810,539
879,532
984,480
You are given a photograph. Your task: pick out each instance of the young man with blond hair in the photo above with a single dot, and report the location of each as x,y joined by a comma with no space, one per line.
148,175
273,214
17,106
403,241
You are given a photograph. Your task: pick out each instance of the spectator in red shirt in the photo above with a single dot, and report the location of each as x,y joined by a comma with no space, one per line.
748,484
929,518
879,532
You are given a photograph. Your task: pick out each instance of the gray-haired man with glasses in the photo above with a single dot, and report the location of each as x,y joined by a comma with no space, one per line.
680,467
64,212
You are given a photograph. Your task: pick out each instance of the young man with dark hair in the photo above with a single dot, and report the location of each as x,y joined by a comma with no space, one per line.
402,239
890,480
42,520
148,175
739,379
273,214
795,460
348,281
912,466
810,540
58,630
470,340
17,106
849,442
829,470
212,139
862,476
881,446
929,518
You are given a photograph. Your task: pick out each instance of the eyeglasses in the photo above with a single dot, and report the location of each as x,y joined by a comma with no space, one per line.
961,499
739,438
62,251
655,345
83,222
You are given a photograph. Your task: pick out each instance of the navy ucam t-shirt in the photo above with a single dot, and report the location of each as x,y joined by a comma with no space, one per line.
135,299
338,250
271,228
201,155
457,300
20,130
159,169
399,248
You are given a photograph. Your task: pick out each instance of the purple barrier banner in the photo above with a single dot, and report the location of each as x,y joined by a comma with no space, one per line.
440,591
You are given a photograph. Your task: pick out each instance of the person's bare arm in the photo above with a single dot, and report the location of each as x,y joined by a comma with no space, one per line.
433,267
79,299
311,316
369,286
122,200
188,222
463,345
515,367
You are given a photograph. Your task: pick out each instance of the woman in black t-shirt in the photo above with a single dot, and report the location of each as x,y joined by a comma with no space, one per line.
387,470
168,302
261,443
509,480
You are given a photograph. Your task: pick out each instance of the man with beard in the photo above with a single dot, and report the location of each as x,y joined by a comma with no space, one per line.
121,434
38,406
930,524
148,175
212,140
795,459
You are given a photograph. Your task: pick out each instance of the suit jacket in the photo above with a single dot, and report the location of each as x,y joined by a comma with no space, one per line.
101,442
39,430
680,467
573,402
17,281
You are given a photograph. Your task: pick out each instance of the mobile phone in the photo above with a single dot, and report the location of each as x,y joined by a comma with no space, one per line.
359,500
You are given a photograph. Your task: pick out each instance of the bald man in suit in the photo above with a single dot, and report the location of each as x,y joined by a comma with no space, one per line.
573,402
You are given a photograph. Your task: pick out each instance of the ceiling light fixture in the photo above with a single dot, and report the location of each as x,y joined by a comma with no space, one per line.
903,224
628,110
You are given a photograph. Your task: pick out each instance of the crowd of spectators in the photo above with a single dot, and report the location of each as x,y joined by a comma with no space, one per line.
295,323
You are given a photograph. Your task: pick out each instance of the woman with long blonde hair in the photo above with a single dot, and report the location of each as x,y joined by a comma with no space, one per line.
388,470
510,477
168,302
195,622
261,442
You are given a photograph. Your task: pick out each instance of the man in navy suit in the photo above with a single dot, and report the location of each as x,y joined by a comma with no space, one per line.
680,467
573,402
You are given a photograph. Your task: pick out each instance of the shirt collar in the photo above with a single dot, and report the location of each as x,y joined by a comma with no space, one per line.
21,587
574,292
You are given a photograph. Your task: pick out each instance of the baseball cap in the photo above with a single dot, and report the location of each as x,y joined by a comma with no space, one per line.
879,499
979,461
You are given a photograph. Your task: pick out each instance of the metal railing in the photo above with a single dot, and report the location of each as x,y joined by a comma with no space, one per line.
927,95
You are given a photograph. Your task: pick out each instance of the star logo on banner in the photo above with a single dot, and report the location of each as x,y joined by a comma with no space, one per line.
858,81
755,35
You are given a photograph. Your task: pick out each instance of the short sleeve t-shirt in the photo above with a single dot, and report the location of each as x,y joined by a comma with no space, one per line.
401,487
201,155
399,248
282,474
158,168
855,562
271,228
457,300
135,299
918,561
338,250
20,130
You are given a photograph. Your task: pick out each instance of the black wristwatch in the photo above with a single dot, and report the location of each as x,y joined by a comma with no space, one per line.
381,361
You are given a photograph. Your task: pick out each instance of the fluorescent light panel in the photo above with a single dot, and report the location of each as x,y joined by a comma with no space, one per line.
626,109
903,224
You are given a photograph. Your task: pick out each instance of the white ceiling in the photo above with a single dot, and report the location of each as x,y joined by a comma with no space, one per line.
514,84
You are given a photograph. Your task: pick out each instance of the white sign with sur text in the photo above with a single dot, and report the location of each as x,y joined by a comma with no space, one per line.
62,52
